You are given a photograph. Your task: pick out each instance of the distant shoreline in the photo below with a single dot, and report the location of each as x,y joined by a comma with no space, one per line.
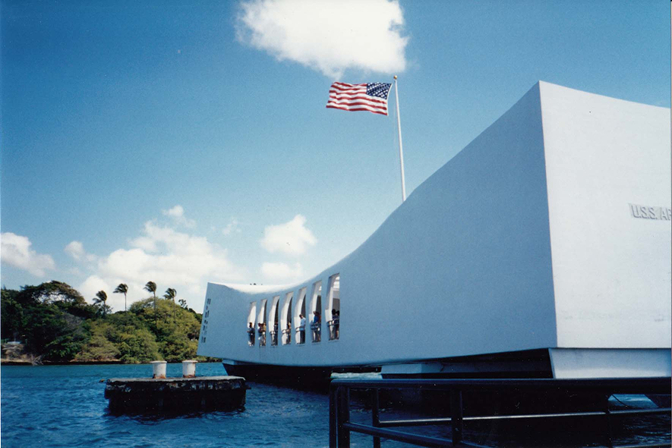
26,362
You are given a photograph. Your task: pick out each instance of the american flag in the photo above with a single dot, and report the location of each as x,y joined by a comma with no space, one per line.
352,97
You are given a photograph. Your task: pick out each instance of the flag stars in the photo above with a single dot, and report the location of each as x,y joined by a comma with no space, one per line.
378,89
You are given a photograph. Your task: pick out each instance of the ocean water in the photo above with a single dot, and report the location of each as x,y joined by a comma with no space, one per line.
64,406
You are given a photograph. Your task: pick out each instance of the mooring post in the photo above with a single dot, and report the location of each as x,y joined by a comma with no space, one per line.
189,368
343,412
158,369
375,415
457,422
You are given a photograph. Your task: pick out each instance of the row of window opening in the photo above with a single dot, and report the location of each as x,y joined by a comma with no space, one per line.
285,317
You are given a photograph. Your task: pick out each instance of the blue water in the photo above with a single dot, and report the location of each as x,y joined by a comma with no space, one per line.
64,406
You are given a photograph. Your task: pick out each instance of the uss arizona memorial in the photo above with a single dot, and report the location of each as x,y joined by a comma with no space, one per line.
542,249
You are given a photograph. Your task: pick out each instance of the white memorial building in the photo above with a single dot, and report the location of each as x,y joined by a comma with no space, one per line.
542,249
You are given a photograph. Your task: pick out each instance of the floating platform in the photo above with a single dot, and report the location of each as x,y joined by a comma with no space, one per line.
175,395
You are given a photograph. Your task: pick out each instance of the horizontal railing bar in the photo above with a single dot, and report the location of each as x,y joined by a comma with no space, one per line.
399,435
612,385
437,421
655,445
642,411
530,416
416,422
406,436
571,414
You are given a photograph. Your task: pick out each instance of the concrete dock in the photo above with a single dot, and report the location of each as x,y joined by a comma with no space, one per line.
175,395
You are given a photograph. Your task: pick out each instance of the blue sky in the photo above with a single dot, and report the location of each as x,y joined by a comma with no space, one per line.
189,142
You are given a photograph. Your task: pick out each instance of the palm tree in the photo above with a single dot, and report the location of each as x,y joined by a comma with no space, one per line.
122,289
151,287
101,301
183,303
170,294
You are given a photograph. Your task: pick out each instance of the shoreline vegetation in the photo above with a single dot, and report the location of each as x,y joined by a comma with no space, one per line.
52,324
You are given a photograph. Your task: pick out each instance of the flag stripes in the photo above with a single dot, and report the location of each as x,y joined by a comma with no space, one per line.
371,97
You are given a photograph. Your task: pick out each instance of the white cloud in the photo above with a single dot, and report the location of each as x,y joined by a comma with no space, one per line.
231,227
76,250
329,36
291,238
281,271
177,214
169,258
16,252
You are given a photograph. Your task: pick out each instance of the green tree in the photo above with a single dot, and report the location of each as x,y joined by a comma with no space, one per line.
138,346
176,347
151,287
101,301
53,334
122,289
57,324
64,296
170,294
53,292
12,314
132,336
50,318
176,329
99,347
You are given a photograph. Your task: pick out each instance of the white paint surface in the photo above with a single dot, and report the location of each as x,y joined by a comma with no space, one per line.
524,240
602,363
611,271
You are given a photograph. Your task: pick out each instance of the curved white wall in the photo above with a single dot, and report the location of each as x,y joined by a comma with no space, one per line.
465,265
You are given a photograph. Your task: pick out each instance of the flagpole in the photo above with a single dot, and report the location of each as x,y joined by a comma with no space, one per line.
401,150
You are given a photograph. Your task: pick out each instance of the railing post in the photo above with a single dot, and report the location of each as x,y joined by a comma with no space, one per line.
375,415
607,413
333,423
343,416
457,422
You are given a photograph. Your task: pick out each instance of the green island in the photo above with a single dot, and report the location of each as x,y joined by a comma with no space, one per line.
53,323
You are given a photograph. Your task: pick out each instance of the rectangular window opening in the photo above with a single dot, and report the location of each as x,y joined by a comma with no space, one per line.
261,324
333,310
300,317
250,323
286,319
316,312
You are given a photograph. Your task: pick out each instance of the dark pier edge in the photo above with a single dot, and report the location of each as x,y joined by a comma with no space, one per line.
525,365
522,364
309,378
